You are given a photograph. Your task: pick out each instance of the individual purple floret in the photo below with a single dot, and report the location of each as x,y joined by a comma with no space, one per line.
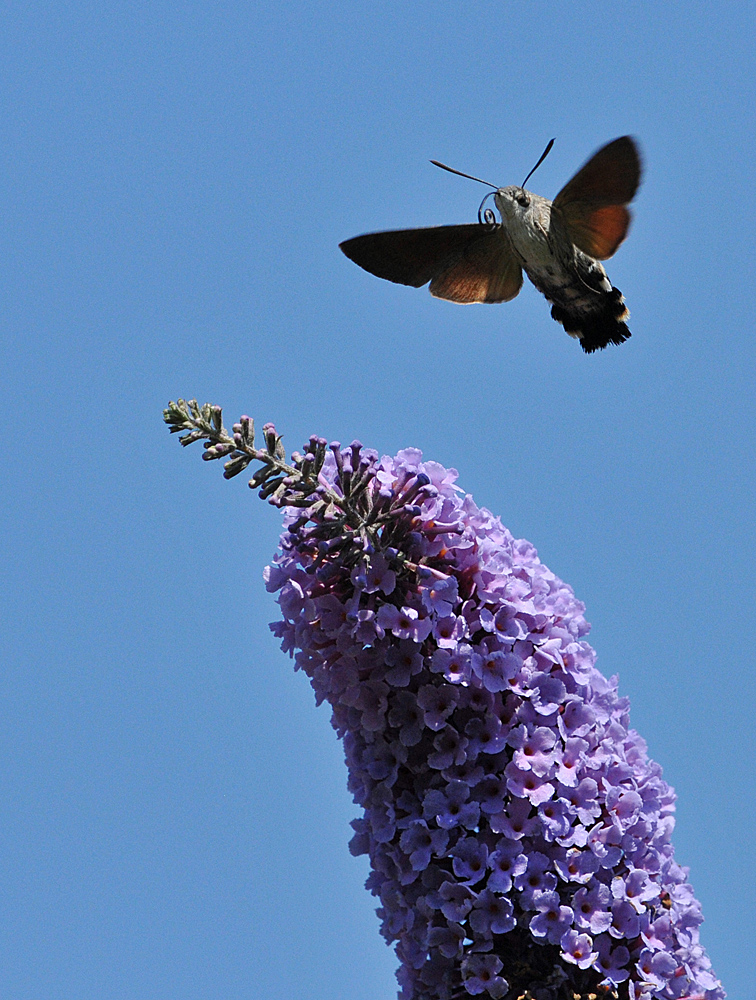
518,834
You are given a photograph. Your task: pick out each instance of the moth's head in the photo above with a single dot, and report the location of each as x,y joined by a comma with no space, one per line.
513,202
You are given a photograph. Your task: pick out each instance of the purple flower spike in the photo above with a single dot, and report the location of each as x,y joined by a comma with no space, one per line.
518,834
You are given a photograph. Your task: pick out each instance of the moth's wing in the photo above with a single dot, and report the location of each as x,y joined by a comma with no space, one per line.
459,261
410,256
591,206
610,177
488,271
597,231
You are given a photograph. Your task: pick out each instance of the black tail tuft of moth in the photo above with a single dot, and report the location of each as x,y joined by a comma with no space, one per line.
596,330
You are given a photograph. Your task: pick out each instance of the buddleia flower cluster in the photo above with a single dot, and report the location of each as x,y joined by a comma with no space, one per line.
518,834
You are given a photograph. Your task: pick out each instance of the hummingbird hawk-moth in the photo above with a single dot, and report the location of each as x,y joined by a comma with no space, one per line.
559,245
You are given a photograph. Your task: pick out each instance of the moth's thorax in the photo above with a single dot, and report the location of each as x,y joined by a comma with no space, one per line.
526,218
567,277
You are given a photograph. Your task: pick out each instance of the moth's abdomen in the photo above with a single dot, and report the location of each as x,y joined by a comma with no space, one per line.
596,328
584,301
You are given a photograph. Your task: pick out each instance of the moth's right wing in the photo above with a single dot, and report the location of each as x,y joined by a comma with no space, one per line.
469,263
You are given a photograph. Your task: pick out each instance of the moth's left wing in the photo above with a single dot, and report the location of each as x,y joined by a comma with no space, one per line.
591,207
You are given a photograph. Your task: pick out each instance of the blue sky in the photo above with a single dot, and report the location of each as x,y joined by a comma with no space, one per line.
175,181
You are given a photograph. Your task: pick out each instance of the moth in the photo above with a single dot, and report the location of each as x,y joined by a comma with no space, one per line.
559,244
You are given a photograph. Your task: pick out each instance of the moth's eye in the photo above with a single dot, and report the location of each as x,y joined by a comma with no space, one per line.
522,199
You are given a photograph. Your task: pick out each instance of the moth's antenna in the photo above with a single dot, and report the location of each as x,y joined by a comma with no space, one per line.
470,176
544,154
